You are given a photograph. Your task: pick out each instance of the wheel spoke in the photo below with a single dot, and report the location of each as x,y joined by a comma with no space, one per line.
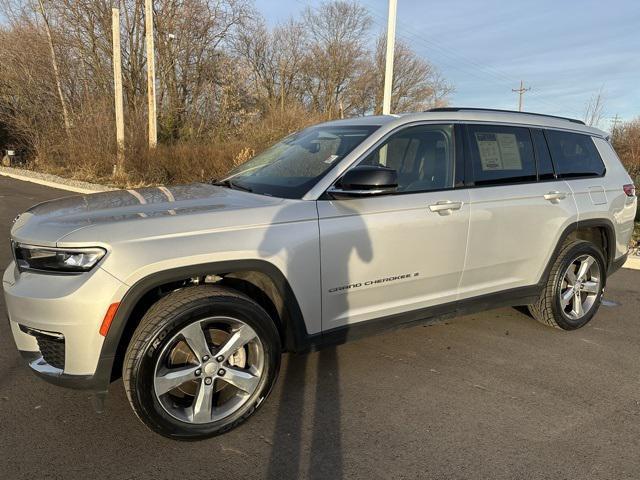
238,339
203,404
189,374
174,378
571,275
590,287
194,336
577,305
585,265
242,379
567,296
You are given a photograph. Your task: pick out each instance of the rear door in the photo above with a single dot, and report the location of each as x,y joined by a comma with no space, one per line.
384,255
518,208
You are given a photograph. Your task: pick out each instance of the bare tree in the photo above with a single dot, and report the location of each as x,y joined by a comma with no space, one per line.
276,60
223,75
337,51
56,72
417,84
190,38
28,97
627,145
594,111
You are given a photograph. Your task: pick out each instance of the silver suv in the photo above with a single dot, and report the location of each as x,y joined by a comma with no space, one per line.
192,293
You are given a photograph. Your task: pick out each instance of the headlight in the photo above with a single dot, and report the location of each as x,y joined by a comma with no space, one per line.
63,260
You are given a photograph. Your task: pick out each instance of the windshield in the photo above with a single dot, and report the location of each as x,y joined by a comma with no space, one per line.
291,167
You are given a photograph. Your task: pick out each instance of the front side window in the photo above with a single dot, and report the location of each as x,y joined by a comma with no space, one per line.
501,155
574,154
294,165
422,156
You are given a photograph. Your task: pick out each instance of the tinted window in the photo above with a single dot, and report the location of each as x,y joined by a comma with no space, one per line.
295,164
422,156
501,155
574,154
545,166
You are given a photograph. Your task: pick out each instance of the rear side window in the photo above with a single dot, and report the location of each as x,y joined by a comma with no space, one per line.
501,155
574,154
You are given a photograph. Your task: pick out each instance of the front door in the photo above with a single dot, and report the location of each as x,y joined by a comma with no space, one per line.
389,254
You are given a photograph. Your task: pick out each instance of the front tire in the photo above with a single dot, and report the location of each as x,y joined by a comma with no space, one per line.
574,288
201,362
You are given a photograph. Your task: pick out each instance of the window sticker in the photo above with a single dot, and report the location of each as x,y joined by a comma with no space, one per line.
498,151
509,151
331,158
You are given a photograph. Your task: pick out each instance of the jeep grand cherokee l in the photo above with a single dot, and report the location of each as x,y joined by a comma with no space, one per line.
191,293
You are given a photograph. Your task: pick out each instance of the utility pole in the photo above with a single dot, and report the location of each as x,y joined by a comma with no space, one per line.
151,74
520,91
117,89
391,44
614,125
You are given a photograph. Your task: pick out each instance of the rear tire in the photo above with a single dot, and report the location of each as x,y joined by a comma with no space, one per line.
202,360
574,289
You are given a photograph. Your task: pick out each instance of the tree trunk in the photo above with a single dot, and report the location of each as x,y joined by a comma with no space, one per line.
56,72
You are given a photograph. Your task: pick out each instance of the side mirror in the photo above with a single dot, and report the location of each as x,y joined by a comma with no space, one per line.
365,180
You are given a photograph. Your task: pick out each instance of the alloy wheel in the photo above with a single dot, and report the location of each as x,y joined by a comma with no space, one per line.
208,370
580,287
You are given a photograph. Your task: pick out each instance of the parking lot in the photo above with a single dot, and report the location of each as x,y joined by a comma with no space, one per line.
494,395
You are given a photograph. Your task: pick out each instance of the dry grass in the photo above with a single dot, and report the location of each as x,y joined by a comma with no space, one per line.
89,154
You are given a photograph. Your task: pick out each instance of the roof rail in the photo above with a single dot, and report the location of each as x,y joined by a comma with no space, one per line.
473,109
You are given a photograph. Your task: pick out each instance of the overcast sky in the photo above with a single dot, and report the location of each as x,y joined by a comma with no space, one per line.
565,50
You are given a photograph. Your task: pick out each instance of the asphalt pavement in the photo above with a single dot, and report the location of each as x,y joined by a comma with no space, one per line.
488,396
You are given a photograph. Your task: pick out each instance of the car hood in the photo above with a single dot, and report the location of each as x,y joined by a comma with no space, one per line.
49,222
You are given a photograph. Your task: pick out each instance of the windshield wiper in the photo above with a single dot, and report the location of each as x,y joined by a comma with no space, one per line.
230,184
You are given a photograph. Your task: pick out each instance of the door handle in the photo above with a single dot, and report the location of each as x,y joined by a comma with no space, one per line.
555,196
445,207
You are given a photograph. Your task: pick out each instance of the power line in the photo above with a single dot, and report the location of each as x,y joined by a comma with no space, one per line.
461,62
456,60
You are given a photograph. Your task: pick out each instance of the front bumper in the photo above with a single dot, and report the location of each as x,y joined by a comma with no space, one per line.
56,376
44,309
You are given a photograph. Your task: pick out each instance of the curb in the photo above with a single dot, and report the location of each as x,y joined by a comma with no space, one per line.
632,263
52,181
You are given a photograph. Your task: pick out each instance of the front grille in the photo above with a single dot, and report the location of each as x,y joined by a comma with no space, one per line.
51,348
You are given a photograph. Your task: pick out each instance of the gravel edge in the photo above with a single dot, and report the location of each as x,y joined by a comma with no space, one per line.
53,180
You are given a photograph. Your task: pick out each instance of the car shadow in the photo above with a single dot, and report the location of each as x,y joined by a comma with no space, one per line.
284,461
295,424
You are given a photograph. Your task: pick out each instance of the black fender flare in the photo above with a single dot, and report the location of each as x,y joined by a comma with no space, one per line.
610,232
295,332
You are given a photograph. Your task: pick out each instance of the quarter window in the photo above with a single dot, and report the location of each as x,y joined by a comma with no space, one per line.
501,155
574,154
422,157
